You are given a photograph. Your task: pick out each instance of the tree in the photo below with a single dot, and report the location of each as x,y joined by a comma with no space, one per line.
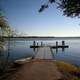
4,26
70,8
5,29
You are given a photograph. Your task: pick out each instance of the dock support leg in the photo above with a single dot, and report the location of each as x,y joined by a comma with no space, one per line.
63,43
41,43
34,43
56,43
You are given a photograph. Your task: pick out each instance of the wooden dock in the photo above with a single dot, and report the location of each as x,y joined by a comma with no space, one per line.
44,53
51,46
45,50
59,46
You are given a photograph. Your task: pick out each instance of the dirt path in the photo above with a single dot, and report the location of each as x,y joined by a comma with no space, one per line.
37,70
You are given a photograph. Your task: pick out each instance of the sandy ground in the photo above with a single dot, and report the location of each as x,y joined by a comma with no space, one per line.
37,70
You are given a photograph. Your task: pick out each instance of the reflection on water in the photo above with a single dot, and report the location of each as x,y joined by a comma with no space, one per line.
21,49
55,51
3,60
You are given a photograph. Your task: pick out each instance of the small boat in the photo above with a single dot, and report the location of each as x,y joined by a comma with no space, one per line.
22,61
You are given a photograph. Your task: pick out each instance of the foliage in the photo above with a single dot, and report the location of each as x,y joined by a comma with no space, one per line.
5,29
4,26
70,8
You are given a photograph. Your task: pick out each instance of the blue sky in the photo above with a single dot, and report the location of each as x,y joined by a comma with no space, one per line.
23,17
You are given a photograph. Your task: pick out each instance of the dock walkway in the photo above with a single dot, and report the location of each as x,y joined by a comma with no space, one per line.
44,53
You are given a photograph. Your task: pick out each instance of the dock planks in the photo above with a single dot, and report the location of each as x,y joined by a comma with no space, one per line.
44,53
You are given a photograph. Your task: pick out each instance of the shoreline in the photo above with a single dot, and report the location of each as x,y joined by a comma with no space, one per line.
69,71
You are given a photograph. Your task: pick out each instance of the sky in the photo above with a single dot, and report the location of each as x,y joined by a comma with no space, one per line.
24,18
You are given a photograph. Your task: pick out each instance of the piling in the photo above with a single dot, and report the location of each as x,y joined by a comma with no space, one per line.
63,43
34,43
41,43
56,43
37,44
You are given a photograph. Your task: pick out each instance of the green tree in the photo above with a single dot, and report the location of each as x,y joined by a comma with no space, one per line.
70,8
5,29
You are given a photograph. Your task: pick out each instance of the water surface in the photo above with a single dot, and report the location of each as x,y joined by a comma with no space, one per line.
18,49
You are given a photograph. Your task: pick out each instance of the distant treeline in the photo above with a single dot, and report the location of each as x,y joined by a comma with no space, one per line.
36,37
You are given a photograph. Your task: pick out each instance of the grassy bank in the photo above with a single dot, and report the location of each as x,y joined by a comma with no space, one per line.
69,71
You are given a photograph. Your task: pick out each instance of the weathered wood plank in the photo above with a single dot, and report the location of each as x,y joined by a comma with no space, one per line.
44,53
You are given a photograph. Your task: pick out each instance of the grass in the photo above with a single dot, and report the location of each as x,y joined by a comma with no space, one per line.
69,71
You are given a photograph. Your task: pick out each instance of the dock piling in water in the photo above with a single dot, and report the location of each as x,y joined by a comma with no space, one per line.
41,43
51,46
63,43
56,43
34,43
37,44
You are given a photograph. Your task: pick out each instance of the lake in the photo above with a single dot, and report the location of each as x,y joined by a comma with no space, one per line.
18,49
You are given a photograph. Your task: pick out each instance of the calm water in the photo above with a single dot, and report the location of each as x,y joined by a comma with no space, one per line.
21,49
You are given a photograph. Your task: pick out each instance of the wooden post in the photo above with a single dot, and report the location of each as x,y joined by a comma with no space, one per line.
63,49
37,44
63,43
41,43
56,46
56,43
34,43
57,50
